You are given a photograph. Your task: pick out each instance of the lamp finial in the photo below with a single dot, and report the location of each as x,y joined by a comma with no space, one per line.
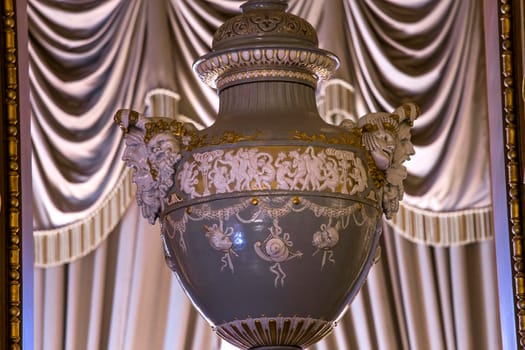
252,5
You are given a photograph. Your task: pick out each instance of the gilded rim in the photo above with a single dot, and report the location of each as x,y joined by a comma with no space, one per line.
12,198
213,67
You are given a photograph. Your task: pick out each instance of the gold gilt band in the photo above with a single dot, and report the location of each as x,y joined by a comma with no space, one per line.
11,203
267,74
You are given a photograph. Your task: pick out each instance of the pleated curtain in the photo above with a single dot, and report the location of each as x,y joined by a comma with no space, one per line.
100,278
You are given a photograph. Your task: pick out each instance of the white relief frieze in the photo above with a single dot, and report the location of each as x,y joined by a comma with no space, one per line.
248,169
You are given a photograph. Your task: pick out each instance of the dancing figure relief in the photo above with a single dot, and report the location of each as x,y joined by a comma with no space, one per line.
232,163
188,177
221,178
265,172
330,174
284,173
248,169
358,177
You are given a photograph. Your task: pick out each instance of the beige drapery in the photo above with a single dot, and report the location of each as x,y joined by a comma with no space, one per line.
89,59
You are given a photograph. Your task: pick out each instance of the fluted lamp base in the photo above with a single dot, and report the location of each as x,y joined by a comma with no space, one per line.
277,347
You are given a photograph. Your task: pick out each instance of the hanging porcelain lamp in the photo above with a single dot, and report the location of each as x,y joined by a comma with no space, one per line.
270,217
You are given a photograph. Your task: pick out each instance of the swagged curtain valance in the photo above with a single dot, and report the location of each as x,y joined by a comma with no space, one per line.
87,60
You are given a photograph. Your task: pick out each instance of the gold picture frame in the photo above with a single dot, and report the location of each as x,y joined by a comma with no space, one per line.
501,16
504,53
16,267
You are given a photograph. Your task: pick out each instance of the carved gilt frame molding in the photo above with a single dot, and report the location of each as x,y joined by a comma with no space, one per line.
15,189
11,188
12,296
505,116
510,52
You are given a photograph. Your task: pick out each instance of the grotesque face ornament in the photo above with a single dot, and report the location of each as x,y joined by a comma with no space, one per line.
380,137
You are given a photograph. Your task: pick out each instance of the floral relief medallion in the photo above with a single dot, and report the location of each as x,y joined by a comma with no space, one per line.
325,240
276,248
221,240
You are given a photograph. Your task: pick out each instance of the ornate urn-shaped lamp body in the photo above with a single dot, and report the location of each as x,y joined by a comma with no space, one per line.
270,217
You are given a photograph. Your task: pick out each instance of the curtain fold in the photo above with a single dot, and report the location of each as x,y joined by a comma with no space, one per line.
88,59
77,81
121,296
85,63
431,53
